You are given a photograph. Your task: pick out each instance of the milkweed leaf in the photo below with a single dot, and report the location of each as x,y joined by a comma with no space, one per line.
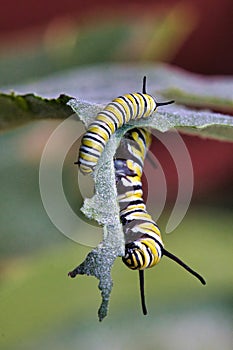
18,109
101,83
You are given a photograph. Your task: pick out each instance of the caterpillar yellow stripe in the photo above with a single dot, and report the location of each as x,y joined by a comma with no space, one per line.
117,113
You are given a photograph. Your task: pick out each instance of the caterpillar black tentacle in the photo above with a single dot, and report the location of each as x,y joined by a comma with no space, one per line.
142,293
185,266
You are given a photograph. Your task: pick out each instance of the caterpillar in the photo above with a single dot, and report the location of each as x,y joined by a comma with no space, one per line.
117,113
144,247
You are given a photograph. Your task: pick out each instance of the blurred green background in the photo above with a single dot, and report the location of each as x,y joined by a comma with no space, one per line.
40,307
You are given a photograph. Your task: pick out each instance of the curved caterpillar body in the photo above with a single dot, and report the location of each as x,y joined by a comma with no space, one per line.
144,247
117,113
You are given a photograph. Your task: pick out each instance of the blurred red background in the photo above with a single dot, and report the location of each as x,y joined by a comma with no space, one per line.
213,33
207,50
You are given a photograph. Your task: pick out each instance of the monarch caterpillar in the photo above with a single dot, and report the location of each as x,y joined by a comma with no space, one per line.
144,247
114,115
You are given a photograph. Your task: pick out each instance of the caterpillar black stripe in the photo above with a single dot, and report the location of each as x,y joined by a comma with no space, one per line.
114,115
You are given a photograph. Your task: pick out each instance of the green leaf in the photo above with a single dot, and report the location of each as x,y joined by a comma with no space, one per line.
19,109
196,99
102,207
104,82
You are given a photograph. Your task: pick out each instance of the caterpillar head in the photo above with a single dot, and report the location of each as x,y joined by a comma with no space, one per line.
138,257
142,254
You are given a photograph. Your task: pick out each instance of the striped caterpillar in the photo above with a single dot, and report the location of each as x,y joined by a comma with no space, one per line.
144,247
